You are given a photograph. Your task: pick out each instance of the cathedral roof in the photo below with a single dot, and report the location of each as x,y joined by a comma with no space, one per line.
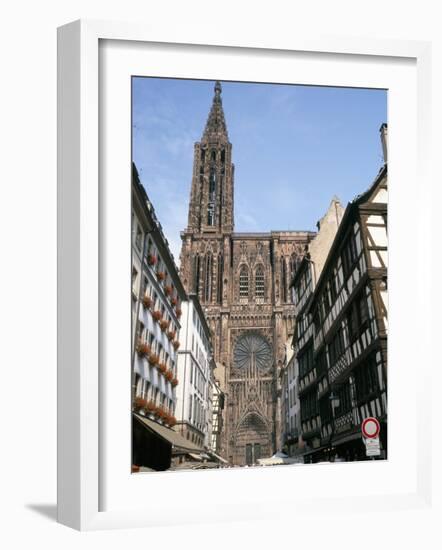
216,124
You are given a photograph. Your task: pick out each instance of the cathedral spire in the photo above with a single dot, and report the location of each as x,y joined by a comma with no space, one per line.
216,124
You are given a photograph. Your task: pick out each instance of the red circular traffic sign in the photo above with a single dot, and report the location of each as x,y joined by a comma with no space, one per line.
370,427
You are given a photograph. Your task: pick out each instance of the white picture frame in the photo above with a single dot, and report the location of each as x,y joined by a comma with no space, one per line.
82,445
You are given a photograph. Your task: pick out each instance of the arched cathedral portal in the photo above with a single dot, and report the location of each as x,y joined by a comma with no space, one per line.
252,369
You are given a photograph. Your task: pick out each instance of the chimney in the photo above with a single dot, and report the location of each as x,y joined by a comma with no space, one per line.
384,140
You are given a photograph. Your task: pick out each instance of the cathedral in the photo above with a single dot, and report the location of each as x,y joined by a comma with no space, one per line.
243,283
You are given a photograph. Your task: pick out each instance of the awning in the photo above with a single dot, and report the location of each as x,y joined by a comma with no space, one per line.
177,441
217,457
346,438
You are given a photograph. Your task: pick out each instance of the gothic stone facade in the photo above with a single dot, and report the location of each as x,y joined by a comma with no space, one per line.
242,280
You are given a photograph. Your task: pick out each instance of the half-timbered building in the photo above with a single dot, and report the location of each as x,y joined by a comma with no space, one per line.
343,367
310,372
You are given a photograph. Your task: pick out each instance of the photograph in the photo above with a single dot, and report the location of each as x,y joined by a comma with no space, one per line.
259,273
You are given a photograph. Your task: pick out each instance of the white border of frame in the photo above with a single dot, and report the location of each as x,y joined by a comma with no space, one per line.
78,257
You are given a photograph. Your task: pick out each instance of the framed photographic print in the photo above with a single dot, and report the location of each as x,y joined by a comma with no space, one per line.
233,234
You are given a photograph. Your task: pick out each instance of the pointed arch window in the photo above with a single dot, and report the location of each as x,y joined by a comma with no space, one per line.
294,262
283,280
208,273
244,282
219,296
259,282
196,274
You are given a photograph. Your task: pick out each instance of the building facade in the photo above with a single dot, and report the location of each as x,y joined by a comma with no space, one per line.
341,336
303,284
194,400
290,404
242,281
157,295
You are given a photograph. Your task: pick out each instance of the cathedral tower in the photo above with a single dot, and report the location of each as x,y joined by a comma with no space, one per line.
242,281
211,200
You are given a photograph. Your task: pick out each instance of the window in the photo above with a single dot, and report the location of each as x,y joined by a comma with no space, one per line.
259,282
336,347
309,406
219,297
134,276
283,280
344,397
244,282
138,237
366,378
208,273
305,360
349,254
357,316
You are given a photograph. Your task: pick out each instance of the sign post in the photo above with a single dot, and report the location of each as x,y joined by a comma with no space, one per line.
370,432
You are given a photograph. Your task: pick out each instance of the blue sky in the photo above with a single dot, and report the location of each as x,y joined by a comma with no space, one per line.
294,148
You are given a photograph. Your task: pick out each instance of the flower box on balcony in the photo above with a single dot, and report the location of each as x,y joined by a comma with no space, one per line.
171,334
162,367
175,344
167,290
174,382
161,413
161,275
143,349
171,421
164,324
147,302
178,312
156,315
173,301
140,403
151,407
151,259
169,375
153,359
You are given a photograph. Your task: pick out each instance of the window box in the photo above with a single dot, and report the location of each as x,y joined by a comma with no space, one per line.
178,312
143,349
162,367
173,301
174,382
147,302
151,259
156,315
171,334
140,403
153,359
169,375
175,344
161,275
167,290
164,324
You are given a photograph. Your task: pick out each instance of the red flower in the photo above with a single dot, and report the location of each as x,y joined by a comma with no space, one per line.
153,359
162,367
147,301
156,315
151,259
175,344
143,349
167,290
161,275
140,403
